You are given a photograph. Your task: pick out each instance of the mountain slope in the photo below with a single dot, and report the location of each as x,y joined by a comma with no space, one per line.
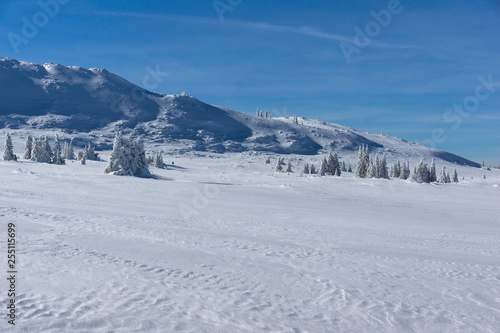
97,102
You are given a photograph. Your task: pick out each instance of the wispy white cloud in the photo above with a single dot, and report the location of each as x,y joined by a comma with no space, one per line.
250,25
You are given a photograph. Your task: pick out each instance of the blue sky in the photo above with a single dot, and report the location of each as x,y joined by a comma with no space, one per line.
286,56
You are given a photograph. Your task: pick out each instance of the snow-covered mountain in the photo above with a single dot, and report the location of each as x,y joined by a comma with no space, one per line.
97,102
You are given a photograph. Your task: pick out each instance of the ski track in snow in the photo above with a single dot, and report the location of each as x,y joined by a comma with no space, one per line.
270,253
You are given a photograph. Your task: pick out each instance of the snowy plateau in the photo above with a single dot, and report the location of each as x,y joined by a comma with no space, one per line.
220,242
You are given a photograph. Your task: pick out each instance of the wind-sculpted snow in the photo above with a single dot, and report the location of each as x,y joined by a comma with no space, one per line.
222,243
96,102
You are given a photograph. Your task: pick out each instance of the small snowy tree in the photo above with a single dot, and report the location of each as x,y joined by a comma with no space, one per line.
83,161
350,168
323,168
279,166
128,158
43,152
37,151
443,178
306,169
420,173
68,152
313,170
363,162
383,171
158,162
432,172
8,154
405,171
454,177
268,161
28,147
57,159
289,167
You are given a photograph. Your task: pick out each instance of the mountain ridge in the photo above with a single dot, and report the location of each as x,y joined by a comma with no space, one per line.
79,100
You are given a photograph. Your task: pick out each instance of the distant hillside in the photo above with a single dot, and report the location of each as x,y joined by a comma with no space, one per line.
76,100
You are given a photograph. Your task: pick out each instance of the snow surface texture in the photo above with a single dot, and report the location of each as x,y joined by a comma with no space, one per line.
222,243
96,102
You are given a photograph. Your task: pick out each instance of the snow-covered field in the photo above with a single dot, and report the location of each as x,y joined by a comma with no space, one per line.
224,244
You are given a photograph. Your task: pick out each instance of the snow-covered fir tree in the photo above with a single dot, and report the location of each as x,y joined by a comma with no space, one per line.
333,165
57,158
68,152
313,170
279,166
268,160
350,168
383,170
8,153
28,147
395,170
344,167
306,169
89,153
128,158
444,177
454,177
432,172
405,171
420,173
158,161
37,151
323,168
41,151
48,153
83,160
363,162
289,167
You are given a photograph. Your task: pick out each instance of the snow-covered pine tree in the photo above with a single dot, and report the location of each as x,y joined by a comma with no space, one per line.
442,177
8,153
140,166
28,147
363,162
405,171
323,168
83,160
57,158
47,154
372,169
279,167
383,171
68,153
306,169
90,153
158,161
328,164
432,172
336,170
454,177
258,112
350,168
37,151
268,161
396,170
118,158
420,173
313,170
289,167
